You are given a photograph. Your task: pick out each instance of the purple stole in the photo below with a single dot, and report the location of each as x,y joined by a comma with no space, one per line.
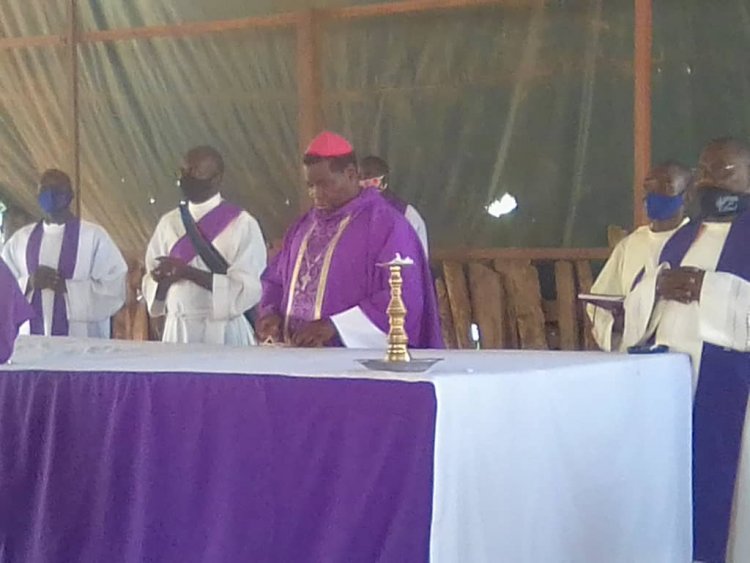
65,268
210,226
719,406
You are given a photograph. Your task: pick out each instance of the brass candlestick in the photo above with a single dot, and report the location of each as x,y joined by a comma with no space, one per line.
397,358
398,340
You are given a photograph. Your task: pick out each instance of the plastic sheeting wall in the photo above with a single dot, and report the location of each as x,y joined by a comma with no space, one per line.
466,105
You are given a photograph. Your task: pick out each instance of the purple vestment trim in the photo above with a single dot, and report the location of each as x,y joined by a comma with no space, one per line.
719,406
66,267
211,225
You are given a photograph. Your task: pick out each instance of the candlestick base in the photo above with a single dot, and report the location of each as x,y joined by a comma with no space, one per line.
416,365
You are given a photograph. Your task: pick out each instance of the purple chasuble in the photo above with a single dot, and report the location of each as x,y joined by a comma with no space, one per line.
719,406
211,225
328,265
65,268
14,311
398,204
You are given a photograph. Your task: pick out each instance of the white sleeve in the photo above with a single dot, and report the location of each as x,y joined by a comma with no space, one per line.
148,285
14,255
608,282
724,310
101,294
357,331
641,313
240,289
416,221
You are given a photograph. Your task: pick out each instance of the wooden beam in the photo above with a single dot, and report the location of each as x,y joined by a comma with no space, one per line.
308,87
472,254
642,104
188,29
286,19
417,6
34,41
74,137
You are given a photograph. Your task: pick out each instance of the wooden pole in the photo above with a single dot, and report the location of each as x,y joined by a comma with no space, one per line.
74,138
308,87
642,104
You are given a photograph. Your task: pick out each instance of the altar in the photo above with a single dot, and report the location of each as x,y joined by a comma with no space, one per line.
124,452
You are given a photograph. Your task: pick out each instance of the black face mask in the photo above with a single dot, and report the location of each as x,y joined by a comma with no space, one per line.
719,203
195,189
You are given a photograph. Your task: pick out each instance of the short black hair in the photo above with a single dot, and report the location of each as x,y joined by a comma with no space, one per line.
55,177
375,166
207,151
336,163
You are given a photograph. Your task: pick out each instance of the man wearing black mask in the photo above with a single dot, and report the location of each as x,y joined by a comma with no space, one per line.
698,302
204,260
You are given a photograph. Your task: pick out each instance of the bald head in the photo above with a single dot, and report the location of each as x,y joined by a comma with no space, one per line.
725,163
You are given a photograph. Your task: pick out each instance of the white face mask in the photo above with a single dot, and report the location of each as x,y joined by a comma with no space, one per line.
377,183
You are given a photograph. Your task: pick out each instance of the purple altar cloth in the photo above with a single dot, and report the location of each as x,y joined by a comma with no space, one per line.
131,467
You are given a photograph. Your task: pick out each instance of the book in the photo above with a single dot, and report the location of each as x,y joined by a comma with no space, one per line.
608,302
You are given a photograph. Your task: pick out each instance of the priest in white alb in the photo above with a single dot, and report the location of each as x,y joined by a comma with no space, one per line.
666,189
698,302
70,270
204,261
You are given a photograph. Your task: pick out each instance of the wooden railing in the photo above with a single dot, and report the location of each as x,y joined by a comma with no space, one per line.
499,290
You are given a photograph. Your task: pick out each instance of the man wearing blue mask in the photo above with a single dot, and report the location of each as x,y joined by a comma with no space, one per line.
204,260
698,302
666,190
70,270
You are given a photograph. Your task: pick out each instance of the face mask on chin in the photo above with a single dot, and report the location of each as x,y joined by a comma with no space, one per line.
720,203
377,183
195,189
52,201
663,207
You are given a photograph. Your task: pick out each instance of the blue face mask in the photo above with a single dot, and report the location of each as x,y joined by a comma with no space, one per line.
53,201
662,207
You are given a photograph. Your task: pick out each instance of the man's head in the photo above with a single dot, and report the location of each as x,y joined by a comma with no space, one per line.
201,174
666,189
724,163
373,173
723,179
55,195
331,171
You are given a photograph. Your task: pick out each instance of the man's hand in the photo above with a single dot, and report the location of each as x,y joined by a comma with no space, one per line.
169,270
681,284
269,328
47,278
315,334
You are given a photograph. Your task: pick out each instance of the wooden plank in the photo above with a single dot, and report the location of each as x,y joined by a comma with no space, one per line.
189,29
446,317
585,280
642,104
74,130
510,254
32,41
567,305
458,295
488,311
309,89
416,6
525,300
